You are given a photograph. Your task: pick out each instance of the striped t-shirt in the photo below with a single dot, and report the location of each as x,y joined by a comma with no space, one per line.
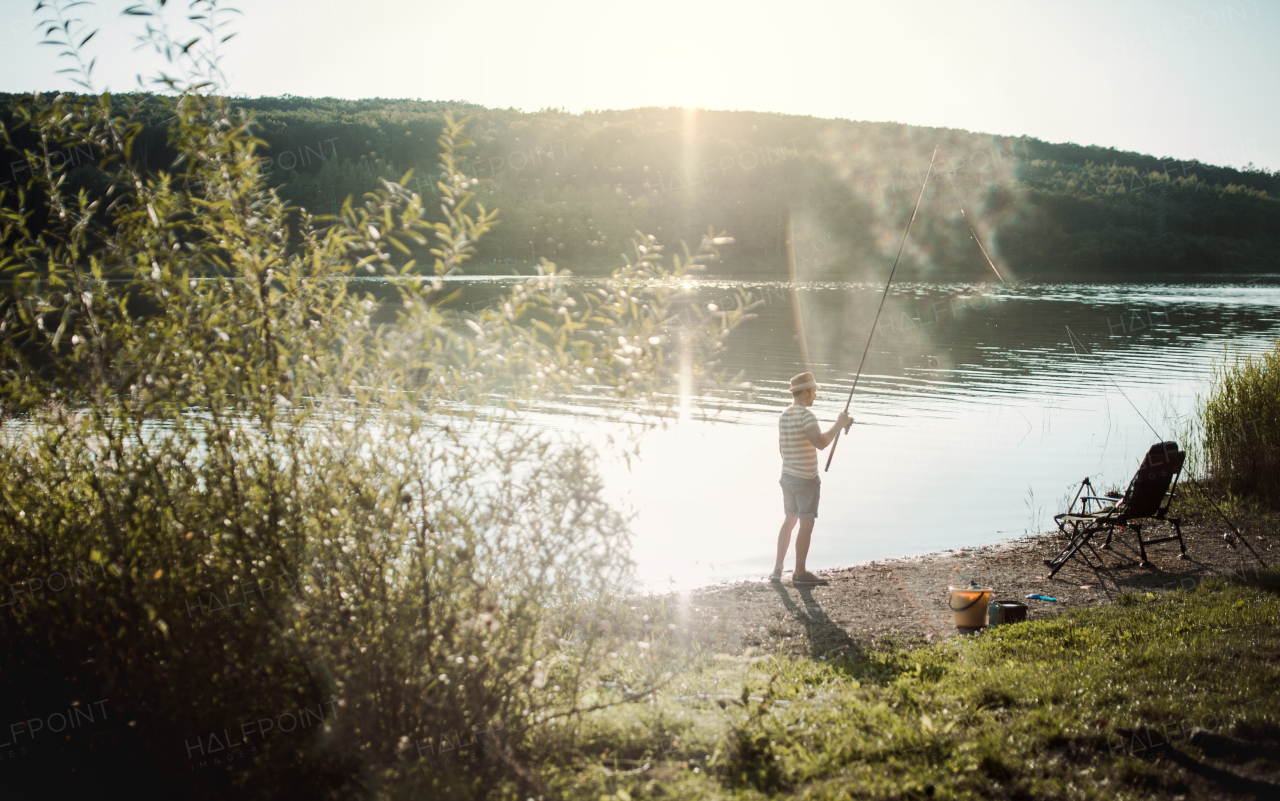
799,457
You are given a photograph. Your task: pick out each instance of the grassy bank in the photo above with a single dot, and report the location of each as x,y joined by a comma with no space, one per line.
1051,709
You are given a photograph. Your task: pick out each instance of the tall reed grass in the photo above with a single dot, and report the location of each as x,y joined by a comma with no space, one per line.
1241,424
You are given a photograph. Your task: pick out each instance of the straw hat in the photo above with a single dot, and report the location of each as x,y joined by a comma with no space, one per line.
803,381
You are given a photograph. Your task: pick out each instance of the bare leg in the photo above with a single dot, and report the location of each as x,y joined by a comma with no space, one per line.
784,541
802,543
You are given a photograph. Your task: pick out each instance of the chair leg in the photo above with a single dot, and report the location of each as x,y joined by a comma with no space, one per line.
1080,539
1063,555
1142,548
1177,527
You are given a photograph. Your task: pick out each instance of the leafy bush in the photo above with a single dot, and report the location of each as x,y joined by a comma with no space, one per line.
264,494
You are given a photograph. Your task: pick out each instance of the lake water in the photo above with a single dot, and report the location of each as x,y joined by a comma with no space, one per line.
975,415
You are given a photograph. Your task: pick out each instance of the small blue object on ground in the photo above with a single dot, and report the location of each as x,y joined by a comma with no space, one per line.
1038,597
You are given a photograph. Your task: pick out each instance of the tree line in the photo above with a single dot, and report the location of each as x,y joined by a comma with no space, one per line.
823,199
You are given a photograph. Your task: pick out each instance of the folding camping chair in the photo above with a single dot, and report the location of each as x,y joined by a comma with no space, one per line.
1149,496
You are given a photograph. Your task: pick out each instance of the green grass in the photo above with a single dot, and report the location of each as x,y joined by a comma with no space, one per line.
1028,711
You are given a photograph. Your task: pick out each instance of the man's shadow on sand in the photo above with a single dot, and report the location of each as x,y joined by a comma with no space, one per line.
824,636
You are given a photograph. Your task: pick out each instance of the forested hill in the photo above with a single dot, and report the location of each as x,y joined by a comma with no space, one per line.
575,187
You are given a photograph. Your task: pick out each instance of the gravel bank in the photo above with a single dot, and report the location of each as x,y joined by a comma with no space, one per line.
907,597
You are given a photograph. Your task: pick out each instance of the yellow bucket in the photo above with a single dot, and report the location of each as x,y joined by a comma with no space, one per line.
970,605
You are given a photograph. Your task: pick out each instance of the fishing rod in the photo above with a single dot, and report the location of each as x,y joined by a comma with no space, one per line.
1074,339
973,233
880,308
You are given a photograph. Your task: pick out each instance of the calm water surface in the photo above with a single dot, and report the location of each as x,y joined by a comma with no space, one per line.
974,416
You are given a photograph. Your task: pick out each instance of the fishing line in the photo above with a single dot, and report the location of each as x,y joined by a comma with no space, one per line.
1074,340
1203,494
880,308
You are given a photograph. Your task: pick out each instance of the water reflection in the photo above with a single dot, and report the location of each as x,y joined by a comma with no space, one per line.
974,414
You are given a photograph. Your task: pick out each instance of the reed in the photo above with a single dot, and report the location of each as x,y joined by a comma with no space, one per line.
1240,425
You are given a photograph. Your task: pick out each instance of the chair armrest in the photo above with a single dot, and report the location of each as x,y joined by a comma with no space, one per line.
1106,498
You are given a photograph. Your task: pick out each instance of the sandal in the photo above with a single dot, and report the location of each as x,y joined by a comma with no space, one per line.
808,578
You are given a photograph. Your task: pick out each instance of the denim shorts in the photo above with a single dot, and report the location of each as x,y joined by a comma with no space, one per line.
800,495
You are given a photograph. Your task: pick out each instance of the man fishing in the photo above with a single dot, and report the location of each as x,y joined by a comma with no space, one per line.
799,439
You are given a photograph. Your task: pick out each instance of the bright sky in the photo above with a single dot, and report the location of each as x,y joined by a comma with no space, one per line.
1178,78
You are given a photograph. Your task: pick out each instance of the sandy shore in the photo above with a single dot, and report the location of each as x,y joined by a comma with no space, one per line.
908,596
